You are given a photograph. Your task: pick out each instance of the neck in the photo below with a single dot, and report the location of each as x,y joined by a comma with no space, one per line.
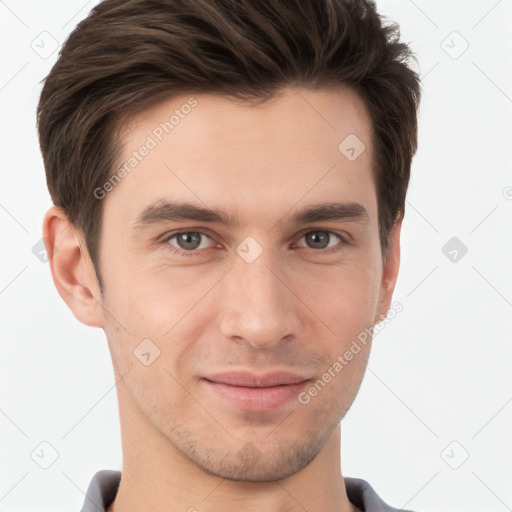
157,477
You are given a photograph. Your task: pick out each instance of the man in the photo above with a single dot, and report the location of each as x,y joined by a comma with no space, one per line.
229,180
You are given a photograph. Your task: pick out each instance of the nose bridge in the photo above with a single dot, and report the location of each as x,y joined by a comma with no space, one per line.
257,306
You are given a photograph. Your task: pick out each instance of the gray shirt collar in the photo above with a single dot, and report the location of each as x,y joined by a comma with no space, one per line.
103,489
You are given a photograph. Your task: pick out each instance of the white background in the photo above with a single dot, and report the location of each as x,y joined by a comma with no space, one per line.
439,372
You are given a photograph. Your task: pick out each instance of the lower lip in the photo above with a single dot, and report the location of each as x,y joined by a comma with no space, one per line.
257,399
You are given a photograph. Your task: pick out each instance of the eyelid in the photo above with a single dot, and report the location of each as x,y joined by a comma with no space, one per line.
167,237
344,238
299,237
341,234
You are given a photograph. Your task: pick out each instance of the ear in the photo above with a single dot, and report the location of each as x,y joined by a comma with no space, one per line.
71,267
390,269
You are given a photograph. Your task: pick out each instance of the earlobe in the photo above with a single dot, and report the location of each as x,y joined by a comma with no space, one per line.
390,270
71,268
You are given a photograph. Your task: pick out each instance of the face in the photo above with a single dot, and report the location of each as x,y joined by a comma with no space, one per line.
222,324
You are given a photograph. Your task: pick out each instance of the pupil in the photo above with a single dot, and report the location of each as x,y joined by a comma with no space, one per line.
189,240
318,236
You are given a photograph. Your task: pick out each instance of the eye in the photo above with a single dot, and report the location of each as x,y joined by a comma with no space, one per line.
322,240
188,241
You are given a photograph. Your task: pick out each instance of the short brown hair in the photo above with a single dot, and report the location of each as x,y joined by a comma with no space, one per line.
128,54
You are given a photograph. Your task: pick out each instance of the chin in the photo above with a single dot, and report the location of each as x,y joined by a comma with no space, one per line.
250,464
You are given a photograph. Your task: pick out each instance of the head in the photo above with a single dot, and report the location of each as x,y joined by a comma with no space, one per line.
277,138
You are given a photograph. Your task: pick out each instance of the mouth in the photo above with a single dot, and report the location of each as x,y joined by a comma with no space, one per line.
251,392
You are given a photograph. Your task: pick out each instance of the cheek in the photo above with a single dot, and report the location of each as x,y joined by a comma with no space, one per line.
158,318
144,356
344,297
153,301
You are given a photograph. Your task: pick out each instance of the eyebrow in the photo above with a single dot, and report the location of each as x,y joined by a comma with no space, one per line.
163,211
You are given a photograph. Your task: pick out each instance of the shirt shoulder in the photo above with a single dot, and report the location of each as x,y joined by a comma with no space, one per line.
101,491
361,494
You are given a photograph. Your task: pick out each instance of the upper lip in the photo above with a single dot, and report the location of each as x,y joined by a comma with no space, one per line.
253,380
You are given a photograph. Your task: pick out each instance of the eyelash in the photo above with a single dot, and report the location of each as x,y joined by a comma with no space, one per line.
195,252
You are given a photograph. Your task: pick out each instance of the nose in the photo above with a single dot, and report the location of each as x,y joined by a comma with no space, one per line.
259,306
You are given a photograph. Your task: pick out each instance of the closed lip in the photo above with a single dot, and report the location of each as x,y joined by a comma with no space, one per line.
253,380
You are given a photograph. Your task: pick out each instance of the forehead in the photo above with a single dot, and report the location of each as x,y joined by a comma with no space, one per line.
208,149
